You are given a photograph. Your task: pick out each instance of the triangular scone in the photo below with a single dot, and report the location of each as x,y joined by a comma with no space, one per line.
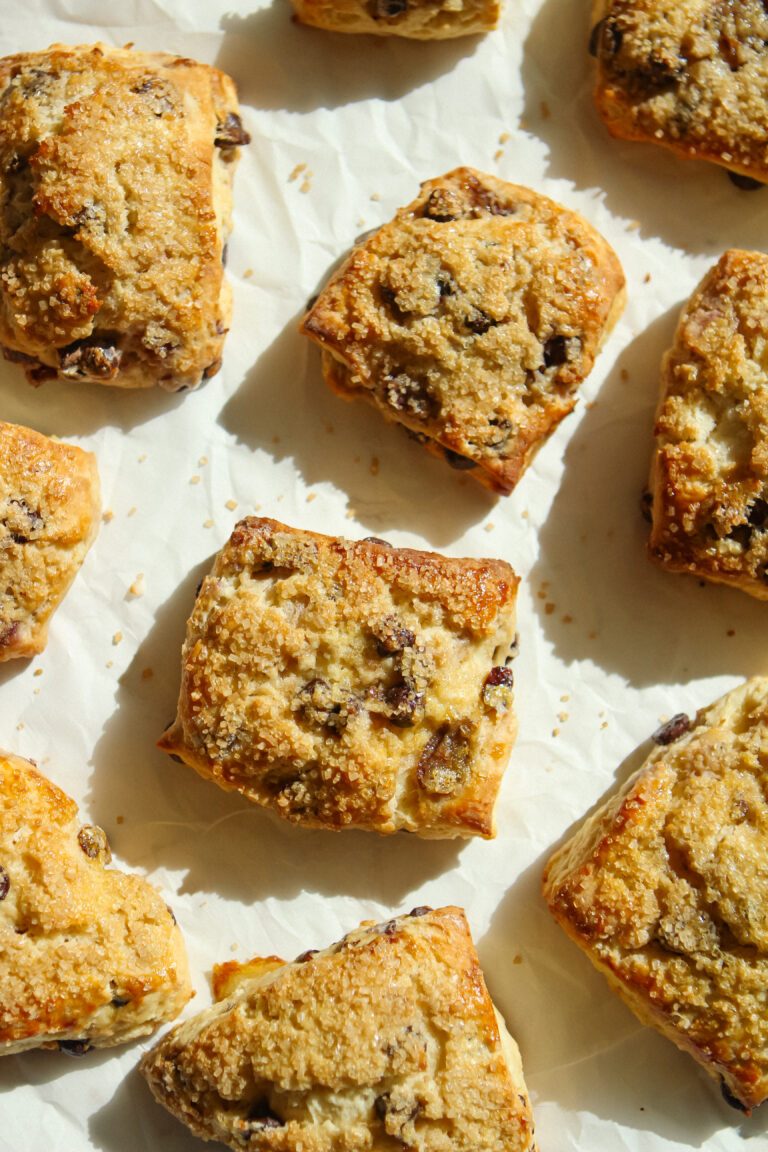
666,889
386,1040
417,19
471,319
89,957
350,684
691,76
709,478
49,510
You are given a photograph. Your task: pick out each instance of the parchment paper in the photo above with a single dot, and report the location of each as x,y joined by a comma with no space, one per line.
608,645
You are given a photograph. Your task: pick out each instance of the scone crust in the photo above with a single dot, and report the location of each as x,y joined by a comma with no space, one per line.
49,517
665,888
709,475
471,319
89,957
691,76
115,204
388,1038
347,684
416,19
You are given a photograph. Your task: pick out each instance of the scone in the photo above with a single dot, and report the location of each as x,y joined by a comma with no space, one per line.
666,889
709,477
691,76
471,319
388,1039
350,685
49,510
89,957
115,177
417,19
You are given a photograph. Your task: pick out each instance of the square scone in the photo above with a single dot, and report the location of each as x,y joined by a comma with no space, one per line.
388,1039
471,319
691,76
115,179
666,889
350,684
709,475
49,517
89,956
416,19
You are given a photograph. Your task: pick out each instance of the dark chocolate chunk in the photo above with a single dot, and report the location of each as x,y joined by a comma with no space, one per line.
594,37
5,883
672,730
745,183
389,296
479,322
260,1115
410,396
445,285
404,704
741,534
74,1047
646,506
758,513
388,9
459,462
120,1001
555,351
443,205
612,37
729,1098
230,133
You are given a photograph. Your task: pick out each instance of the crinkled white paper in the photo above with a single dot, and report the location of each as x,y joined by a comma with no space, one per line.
344,128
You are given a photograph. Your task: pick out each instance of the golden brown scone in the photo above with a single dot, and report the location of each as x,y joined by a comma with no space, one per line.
471,319
49,510
388,1039
691,76
350,685
88,957
709,476
417,19
666,889
115,185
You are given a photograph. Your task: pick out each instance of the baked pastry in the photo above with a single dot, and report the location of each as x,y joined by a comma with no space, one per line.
691,76
347,684
666,889
89,957
49,510
115,177
417,19
387,1039
709,477
471,319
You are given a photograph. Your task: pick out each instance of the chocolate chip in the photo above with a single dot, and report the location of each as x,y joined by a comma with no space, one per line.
93,841
646,506
302,959
5,883
443,205
594,37
479,322
445,285
388,9
459,462
389,296
734,1101
392,636
612,37
178,759
497,689
260,1115
745,183
741,534
672,730
555,351
80,361
758,513
376,540
405,394
230,133
422,910
74,1047
380,1106
444,763
120,1001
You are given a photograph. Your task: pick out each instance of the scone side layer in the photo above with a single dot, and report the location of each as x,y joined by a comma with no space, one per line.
388,1035
471,319
417,19
350,684
664,889
89,957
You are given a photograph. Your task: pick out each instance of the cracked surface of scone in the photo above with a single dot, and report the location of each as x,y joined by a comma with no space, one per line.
709,475
350,684
115,203
471,319
89,957
417,19
691,76
49,510
666,889
388,1039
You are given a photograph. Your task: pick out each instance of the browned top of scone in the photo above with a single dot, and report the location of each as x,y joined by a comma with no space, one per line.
417,19
88,956
692,76
49,507
389,1038
666,888
349,683
109,191
710,472
471,318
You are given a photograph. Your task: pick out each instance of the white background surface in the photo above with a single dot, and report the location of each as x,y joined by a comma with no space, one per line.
371,119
